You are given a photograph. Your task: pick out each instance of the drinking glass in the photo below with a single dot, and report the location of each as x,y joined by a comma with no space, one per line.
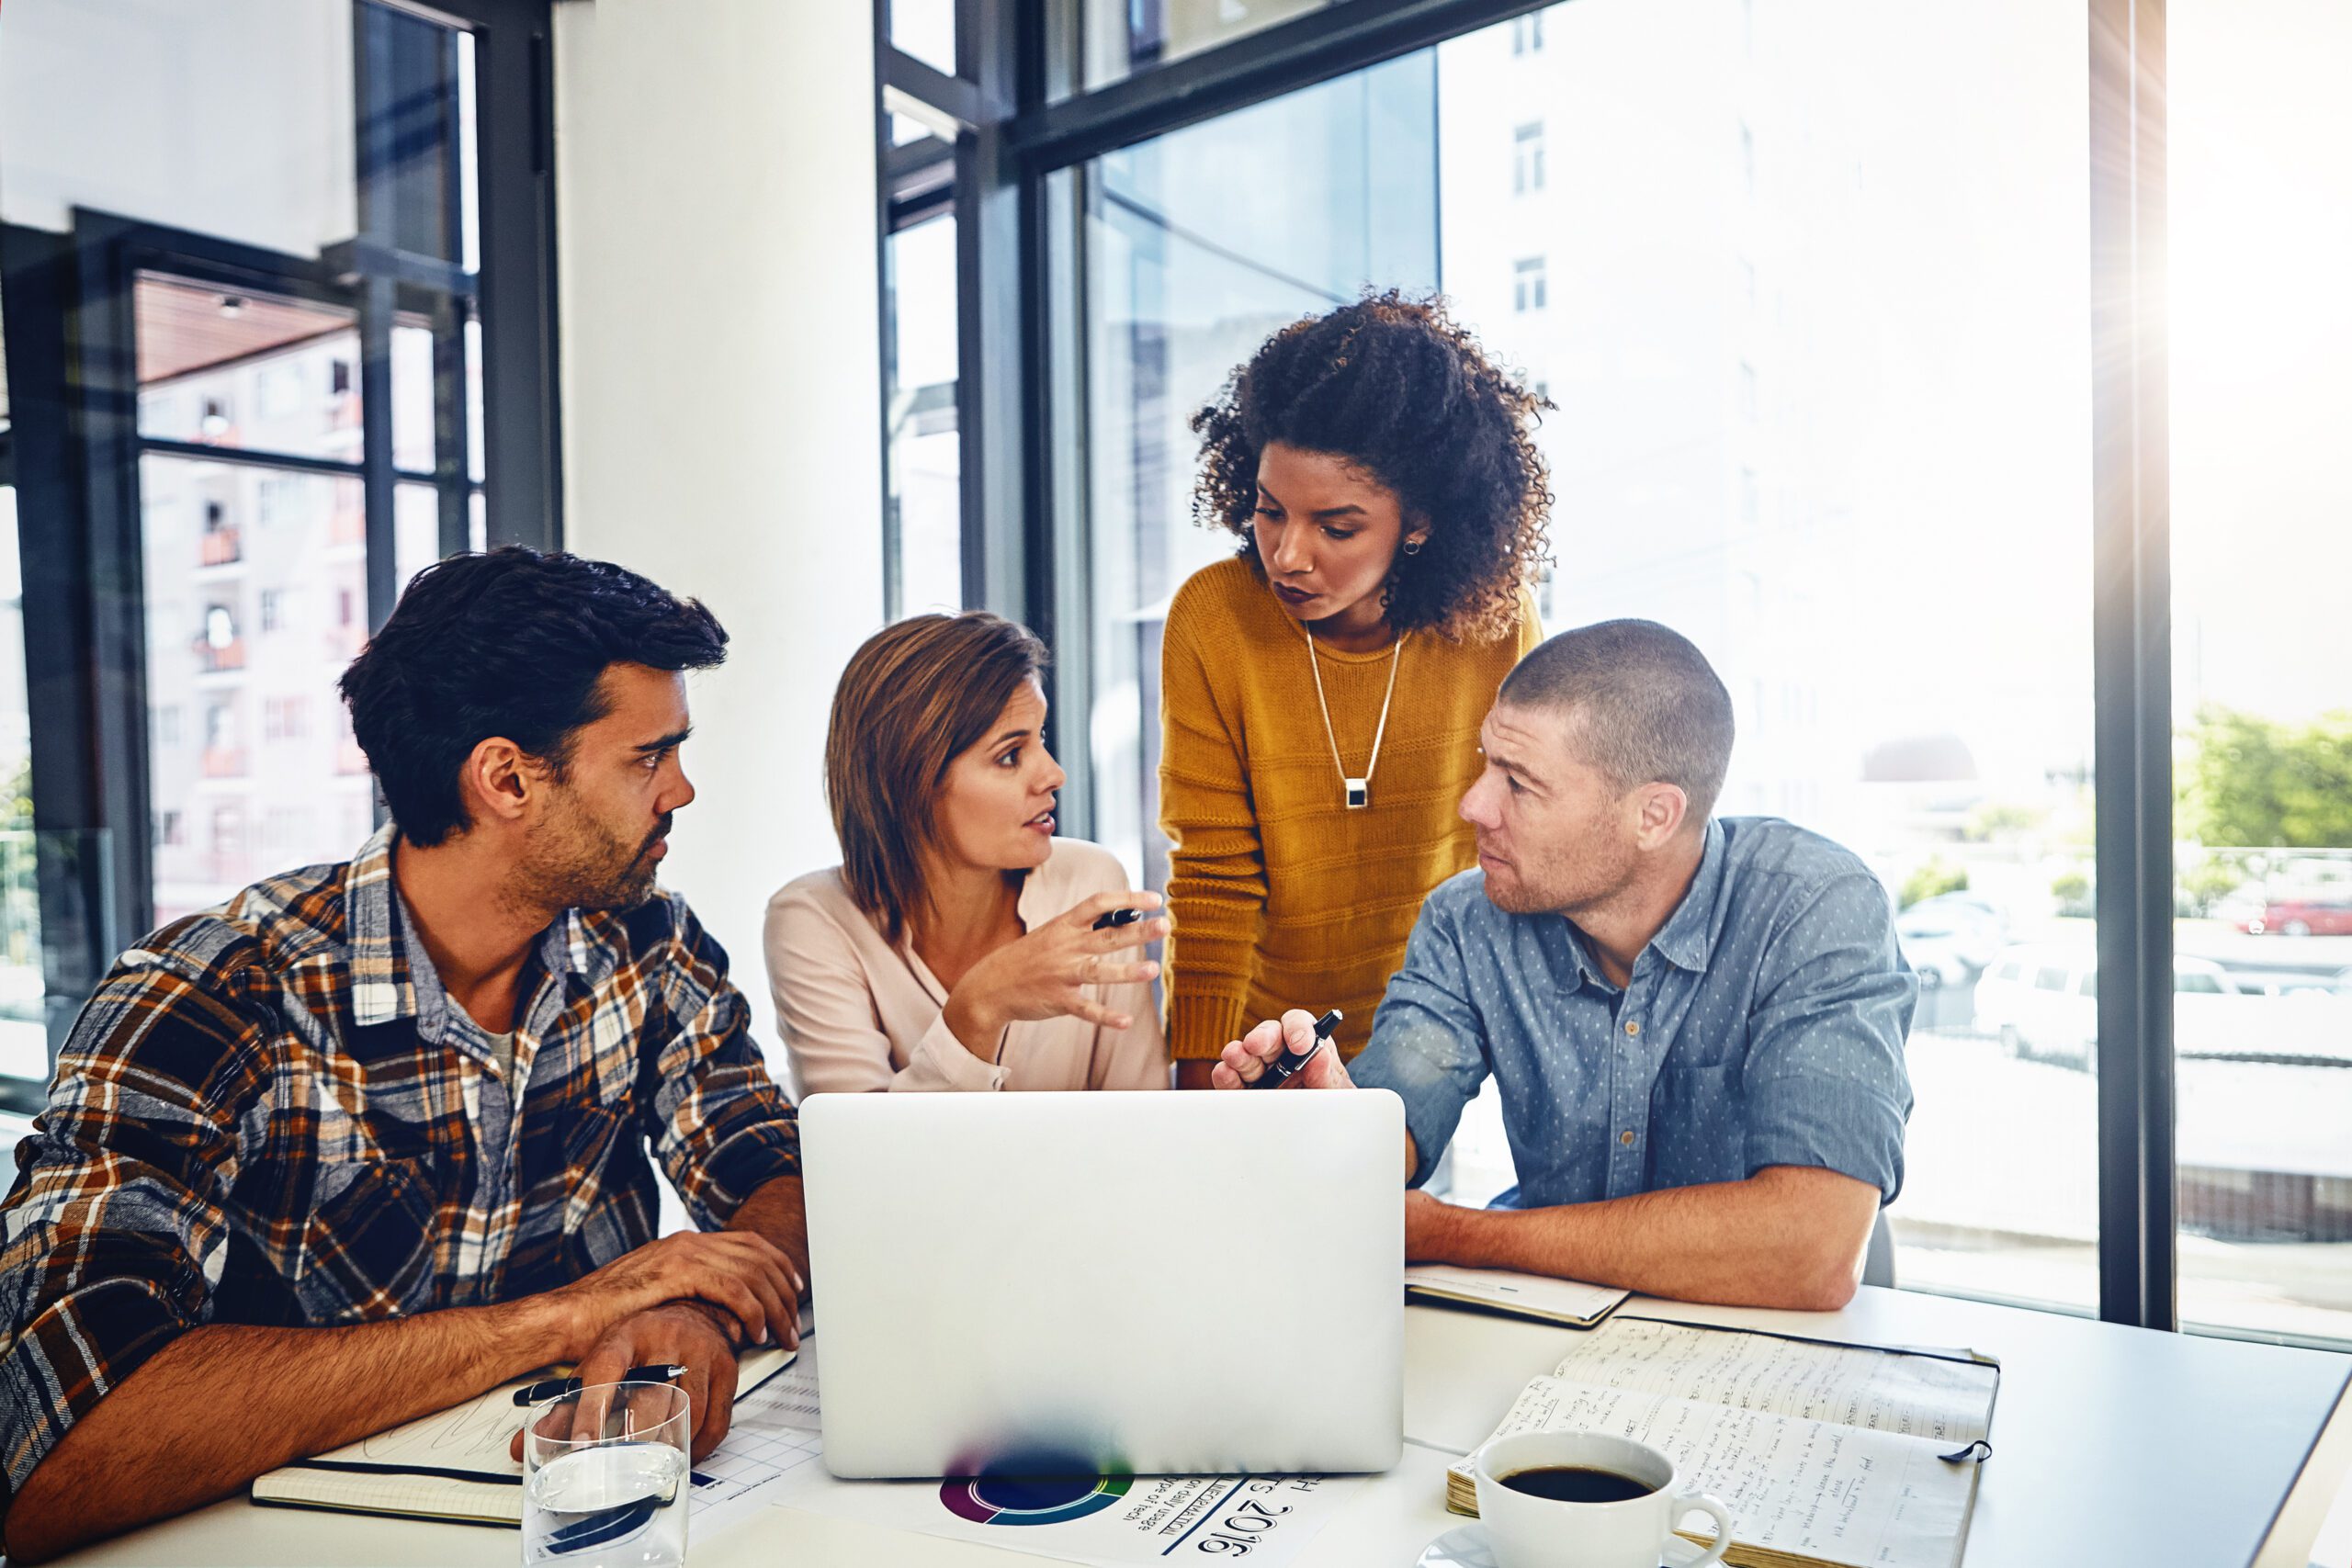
604,1477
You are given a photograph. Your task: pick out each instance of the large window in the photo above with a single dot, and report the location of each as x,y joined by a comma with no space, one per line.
2261,192
1857,322
1776,403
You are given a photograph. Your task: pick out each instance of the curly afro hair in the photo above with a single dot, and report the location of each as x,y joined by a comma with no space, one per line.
1393,386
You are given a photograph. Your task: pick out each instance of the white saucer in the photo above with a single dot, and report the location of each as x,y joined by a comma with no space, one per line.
1464,1546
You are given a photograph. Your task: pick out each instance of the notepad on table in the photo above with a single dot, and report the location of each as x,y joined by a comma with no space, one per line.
1826,1453
1568,1302
454,1464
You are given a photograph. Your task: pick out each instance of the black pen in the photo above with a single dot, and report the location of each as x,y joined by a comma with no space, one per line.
561,1388
1118,917
1279,1071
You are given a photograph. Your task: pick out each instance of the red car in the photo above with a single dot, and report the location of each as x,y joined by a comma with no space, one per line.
2303,916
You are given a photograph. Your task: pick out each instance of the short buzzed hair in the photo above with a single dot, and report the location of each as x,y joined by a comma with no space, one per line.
1648,705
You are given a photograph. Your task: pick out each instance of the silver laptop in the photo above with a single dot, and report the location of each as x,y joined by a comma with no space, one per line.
1060,1284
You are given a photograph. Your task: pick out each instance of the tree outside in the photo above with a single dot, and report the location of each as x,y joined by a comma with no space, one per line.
2248,782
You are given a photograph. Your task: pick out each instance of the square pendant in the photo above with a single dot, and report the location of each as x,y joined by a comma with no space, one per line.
1359,793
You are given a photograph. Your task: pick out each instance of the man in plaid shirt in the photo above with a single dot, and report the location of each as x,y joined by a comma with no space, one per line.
372,1137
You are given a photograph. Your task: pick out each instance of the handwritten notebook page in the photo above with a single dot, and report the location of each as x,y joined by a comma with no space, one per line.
1934,1395
1826,1453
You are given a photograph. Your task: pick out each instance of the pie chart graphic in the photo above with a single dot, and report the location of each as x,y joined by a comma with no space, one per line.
1030,1500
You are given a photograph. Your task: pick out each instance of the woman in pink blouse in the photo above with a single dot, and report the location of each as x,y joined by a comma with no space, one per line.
955,946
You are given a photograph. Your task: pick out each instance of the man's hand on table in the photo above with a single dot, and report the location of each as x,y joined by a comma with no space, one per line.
739,1272
1243,1061
691,1299
692,1335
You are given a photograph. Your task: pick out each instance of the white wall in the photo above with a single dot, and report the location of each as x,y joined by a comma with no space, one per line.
721,425
231,118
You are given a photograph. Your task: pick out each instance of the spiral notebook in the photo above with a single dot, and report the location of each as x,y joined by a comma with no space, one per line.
452,1465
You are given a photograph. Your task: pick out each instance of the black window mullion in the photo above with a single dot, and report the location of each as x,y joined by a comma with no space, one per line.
452,435
886,321
291,462
82,873
999,324
376,91
106,360
377,479
1062,560
514,132
2131,656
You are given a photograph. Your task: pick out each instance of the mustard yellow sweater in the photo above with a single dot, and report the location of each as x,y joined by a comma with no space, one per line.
1283,896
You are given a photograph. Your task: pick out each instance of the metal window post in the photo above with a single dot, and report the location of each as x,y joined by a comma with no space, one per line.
2131,660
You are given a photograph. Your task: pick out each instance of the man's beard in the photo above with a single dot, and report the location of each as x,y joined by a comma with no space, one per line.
1565,885
578,864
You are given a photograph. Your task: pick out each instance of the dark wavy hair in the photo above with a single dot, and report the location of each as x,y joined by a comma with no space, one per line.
916,695
513,644
1395,387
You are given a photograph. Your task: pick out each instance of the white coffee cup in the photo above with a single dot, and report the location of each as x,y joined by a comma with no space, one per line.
1528,1531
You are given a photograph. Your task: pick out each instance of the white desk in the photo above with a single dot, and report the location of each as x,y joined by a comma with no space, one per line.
2110,1445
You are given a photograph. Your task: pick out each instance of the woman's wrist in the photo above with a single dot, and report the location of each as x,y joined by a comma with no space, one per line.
976,1027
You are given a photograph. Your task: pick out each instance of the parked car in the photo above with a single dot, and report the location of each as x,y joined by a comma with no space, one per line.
1940,955
1936,960
2043,1003
2315,915
1972,910
2043,1000
1948,939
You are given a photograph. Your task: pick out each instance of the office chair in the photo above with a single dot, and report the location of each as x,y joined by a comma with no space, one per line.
1878,1263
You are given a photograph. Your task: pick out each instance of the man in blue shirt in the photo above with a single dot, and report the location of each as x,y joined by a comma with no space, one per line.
1697,1025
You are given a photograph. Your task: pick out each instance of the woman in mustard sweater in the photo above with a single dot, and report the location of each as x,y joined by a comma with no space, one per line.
1321,693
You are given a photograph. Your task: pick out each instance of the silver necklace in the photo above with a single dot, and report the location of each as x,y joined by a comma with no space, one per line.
1357,792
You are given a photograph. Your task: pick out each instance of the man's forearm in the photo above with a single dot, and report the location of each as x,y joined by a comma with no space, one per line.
1788,1237
222,1404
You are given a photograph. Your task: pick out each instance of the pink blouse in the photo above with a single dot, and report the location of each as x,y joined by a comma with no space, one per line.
858,1013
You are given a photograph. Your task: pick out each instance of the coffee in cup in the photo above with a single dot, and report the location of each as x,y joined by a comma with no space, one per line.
1586,1500
1577,1484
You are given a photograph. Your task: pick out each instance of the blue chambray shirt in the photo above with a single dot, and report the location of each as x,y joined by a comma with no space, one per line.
1763,1025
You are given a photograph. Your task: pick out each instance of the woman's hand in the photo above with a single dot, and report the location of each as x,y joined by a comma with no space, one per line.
1047,971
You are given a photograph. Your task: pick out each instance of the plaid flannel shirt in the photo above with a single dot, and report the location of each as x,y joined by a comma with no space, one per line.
253,1123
